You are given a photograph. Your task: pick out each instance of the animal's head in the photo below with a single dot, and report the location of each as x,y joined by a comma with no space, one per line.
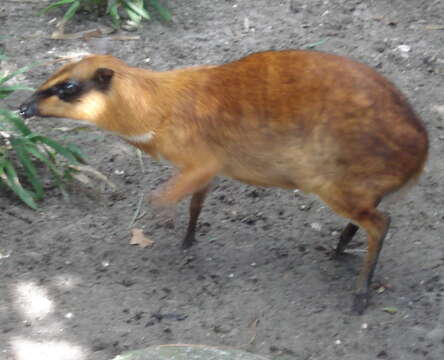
79,90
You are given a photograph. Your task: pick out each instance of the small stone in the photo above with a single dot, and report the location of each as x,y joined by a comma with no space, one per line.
382,354
316,226
246,24
222,329
99,345
404,48
129,26
379,46
436,334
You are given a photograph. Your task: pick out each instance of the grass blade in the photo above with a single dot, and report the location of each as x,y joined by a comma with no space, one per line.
19,146
136,9
313,45
113,11
164,12
71,11
46,159
12,181
16,121
5,91
4,77
77,153
60,149
54,5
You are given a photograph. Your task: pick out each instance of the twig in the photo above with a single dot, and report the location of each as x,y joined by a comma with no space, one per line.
139,156
253,327
137,212
434,27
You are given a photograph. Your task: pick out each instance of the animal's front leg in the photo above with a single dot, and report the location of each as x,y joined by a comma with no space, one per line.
187,182
196,203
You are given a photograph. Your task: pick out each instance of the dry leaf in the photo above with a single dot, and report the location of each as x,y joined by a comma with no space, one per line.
391,310
59,33
138,238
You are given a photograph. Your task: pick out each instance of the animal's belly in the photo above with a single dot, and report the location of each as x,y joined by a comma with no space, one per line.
265,176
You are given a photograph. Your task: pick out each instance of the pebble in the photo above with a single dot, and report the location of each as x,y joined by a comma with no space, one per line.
316,226
404,48
436,334
379,46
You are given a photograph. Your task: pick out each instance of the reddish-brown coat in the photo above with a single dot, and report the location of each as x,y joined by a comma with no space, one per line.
292,119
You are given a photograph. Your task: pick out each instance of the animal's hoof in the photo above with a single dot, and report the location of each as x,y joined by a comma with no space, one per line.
188,242
337,255
360,303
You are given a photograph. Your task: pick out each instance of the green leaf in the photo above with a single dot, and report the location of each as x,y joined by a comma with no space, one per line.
5,91
16,121
72,10
135,9
14,184
111,4
390,309
313,45
54,5
113,11
164,13
60,149
46,159
77,153
4,77
20,146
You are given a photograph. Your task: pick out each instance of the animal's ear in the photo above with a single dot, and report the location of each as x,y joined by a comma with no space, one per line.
103,77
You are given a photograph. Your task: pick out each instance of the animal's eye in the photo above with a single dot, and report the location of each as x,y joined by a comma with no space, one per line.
68,89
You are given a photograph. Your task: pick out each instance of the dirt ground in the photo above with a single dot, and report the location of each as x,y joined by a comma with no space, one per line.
260,277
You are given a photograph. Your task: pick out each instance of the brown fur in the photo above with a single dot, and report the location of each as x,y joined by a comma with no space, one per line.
292,119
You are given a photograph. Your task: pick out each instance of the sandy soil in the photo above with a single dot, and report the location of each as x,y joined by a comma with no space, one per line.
260,278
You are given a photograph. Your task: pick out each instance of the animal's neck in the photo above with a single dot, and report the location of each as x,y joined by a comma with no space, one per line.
134,110
156,111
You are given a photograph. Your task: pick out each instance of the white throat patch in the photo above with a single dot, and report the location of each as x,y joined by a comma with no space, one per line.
140,138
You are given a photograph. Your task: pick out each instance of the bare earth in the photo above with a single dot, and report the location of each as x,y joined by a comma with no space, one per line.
260,277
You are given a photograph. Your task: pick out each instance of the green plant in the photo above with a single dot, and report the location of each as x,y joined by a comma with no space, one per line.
137,10
22,151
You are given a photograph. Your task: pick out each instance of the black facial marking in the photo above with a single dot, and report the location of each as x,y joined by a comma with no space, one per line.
69,90
102,78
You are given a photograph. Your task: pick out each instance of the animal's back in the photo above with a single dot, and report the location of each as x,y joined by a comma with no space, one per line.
304,119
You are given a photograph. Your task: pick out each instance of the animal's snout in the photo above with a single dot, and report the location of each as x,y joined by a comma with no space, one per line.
28,108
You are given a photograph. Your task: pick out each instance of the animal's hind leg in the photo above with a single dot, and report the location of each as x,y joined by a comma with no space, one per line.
376,225
345,237
364,213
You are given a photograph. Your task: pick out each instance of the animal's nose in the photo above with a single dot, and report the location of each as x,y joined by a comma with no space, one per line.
28,109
